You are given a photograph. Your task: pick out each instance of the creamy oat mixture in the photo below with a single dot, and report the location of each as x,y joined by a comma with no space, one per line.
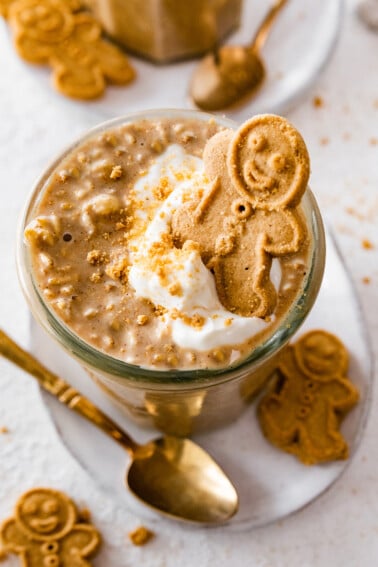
105,261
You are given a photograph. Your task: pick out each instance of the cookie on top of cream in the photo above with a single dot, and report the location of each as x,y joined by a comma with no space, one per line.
176,278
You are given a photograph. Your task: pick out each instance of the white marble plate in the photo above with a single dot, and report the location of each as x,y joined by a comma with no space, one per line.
296,52
271,484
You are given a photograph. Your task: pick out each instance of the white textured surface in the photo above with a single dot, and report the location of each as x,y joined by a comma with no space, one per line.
341,528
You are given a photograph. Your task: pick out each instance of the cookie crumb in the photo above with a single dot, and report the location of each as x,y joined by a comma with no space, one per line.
4,430
116,172
373,141
66,541
141,536
318,102
366,280
367,244
324,141
142,320
84,515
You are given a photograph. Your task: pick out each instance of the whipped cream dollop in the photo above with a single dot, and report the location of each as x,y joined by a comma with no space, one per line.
176,280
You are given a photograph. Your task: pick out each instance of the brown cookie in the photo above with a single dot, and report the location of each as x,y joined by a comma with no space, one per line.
45,531
240,231
55,33
310,396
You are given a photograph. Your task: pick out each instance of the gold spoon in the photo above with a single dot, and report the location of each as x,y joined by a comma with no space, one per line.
174,476
230,73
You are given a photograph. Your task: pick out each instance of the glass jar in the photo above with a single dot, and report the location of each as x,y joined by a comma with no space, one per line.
177,402
167,30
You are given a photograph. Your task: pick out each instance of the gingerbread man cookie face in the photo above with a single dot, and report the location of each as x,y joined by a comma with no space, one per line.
321,354
239,232
303,411
47,22
268,162
45,513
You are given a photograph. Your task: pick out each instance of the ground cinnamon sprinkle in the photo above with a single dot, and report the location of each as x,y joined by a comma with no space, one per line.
373,141
318,102
4,429
324,141
367,244
366,280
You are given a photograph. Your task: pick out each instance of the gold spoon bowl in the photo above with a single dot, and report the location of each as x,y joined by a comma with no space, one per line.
173,476
232,73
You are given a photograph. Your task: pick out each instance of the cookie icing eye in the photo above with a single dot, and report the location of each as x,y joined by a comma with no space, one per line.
50,506
277,162
257,142
30,507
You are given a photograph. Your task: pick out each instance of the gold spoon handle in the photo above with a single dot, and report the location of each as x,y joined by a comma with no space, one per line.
265,26
63,391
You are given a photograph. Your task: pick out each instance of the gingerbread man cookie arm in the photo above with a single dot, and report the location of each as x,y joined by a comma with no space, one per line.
81,542
342,393
12,538
285,232
114,64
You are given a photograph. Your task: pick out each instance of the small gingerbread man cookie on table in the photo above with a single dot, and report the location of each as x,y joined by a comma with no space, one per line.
309,398
44,531
250,213
59,33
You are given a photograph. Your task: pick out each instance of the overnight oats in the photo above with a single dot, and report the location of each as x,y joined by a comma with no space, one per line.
174,255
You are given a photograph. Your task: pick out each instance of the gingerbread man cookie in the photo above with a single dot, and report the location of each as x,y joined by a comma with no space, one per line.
56,33
44,531
309,398
250,213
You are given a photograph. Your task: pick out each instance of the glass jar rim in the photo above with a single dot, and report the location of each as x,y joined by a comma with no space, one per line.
93,357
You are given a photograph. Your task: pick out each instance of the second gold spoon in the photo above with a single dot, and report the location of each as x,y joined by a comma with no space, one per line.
174,476
231,73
